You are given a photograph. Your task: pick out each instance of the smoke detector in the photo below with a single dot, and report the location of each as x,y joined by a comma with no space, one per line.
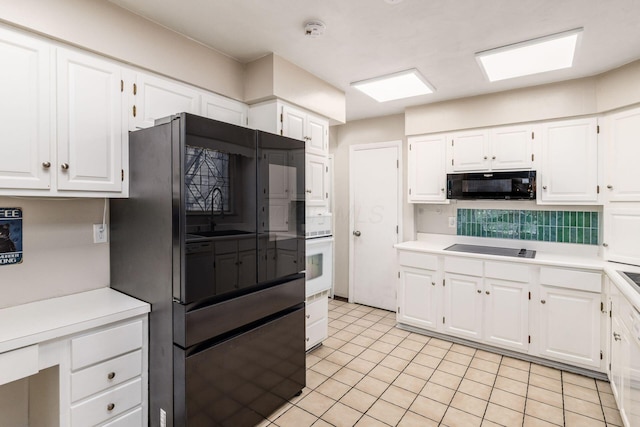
314,29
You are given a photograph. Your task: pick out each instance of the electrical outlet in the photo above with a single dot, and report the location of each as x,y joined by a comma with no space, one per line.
100,233
452,222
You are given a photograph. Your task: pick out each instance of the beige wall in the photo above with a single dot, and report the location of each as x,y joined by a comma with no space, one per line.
274,77
382,129
105,28
618,88
59,256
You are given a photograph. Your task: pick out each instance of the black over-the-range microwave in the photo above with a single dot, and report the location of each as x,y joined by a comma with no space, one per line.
514,185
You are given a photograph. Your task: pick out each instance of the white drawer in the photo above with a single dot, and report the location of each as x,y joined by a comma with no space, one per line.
112,403
105,344
507,271
316,333
571,279
316,310
132,419
470,267
418,260
19,363
107,374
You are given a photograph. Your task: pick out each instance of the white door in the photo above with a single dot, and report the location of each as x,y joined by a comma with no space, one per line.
470,151
512,147
427,169
463,306
418,298
375,204
506,314
25,113
89,123
156,98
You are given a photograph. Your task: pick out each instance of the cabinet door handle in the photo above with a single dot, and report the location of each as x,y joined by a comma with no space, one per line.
487,292
46,165
493,158
606,245
111,407
307,339
616,336
433,283
543,301
64,166
357,233
442,190
485,157
610,187
479,291
111,375
544,187
308,316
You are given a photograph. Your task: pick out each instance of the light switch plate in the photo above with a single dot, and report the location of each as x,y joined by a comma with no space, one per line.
100,233
452,222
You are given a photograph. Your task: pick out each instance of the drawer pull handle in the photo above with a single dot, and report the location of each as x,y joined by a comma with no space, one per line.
111,407
111,375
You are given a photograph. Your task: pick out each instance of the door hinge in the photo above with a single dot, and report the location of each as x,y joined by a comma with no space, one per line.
398,310
121,174
601,355
326,169
135,89
409,147
529,295
609,366
598,129
121,85
397,164
602,306
442,282
409,191
532,135
452,142
533,156
134,111
443,322
326,195
597,189
281,118
451,162
529,339
281,131
398,274
397,229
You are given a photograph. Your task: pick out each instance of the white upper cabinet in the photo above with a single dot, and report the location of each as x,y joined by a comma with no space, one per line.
622,132
317,181
494,149
621,227
569,171
470,151
25,112
512,147
307,127
427,169
224,109
293,123
90,133
156,98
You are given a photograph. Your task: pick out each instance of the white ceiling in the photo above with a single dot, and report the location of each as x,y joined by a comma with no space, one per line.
369,38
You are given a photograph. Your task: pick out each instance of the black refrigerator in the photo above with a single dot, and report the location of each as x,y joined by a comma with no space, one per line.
212,236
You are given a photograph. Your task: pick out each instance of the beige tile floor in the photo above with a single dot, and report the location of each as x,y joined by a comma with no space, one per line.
370,373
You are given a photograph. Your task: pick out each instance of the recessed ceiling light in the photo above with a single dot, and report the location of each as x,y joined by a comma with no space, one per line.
549,53
403,84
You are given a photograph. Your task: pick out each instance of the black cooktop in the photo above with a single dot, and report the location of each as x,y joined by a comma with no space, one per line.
492,250
633,278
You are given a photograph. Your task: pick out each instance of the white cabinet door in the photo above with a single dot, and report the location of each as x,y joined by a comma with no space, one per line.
620,225
622,154
418,298
317,133
156,98
463,306
470,151
506,314
570,326
511,147
569,172
620,377
317,182
223,109
293,123
25,112
427,169
89,123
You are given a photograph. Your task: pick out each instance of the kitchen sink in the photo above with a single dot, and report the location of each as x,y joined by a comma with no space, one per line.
218,233
492,250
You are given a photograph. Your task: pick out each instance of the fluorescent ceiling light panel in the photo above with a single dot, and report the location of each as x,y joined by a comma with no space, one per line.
404,84
548,53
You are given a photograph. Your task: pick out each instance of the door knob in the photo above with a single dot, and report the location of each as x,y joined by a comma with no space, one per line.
543,301
479,291
65,166
544,187
46,165
357,233
487,292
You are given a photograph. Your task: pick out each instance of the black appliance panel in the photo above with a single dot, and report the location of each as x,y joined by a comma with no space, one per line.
239,381
517,185
492,250
281,206
632,278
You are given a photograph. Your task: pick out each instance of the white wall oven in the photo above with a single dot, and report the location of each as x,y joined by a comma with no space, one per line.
319,248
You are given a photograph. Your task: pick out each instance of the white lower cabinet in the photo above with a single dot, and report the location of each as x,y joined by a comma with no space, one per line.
462,306
317,319
506,314
569,312
418,296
